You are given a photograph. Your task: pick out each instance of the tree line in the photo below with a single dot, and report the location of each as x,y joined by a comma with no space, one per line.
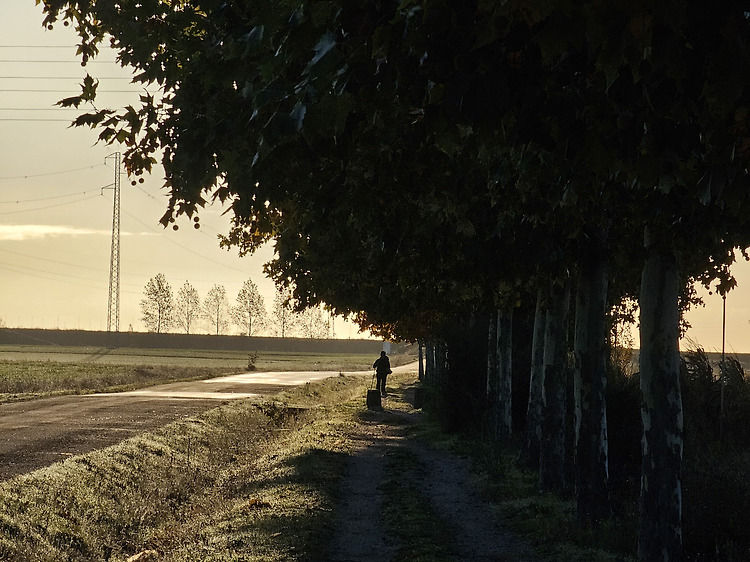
450,172
164,311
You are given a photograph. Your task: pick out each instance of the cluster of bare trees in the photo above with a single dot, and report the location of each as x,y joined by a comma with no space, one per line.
164,311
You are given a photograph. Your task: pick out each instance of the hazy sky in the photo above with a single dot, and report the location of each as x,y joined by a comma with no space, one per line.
56,220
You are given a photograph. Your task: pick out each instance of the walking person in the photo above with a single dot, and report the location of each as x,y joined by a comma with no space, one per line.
382,367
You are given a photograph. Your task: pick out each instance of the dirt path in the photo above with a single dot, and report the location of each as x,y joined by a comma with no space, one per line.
360,531
37,433
360,534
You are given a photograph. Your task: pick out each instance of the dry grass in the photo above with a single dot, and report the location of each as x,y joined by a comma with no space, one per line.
32,379
240,482
256,483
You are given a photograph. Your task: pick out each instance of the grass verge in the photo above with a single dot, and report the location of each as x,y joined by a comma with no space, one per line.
259,483
25,380
544,521
241,482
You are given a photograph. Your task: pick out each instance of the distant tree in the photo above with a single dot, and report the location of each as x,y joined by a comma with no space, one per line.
283,316
187,307
250,311
216,309
158,305
313,323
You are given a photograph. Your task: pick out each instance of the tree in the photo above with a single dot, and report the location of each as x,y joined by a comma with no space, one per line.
216,309
250,311
534,408
640,111
187,307
552,463
158,305
283,317
312,323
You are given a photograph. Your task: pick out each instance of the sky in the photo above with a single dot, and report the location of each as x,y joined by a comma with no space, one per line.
56,199
56,206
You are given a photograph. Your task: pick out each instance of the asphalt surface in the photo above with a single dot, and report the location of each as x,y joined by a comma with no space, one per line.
37,433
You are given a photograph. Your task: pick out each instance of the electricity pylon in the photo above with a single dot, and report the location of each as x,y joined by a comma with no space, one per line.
113,311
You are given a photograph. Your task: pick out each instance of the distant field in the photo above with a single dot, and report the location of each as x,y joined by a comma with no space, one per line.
35,371
265,361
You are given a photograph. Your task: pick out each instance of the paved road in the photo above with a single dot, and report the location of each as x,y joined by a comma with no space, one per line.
37,433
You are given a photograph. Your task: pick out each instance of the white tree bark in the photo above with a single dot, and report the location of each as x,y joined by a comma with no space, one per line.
552,447
505,374
590,386
536,387
660,532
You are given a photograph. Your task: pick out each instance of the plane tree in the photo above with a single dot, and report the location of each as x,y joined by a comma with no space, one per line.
244,118
644,109
669,113
664,143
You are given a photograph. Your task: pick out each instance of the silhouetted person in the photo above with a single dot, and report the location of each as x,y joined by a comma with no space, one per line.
382,367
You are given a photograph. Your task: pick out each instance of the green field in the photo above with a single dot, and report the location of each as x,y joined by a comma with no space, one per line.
36,371
265,361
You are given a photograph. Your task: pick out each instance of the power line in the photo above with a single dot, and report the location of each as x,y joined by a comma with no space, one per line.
50,206
23,90
50,120
183,247
40,109
68,264
48,260
203,227
28,61
38,46
65,77
26,176
45,274
21,201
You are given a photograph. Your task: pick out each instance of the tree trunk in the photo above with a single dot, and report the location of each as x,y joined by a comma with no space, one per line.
440,364
590,384
420,343
499,375
430,362
552,446
536,387
492,374
505,375
660,532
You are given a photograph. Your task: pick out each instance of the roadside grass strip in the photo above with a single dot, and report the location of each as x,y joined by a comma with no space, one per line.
232,484
545,521
260,482
24,380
